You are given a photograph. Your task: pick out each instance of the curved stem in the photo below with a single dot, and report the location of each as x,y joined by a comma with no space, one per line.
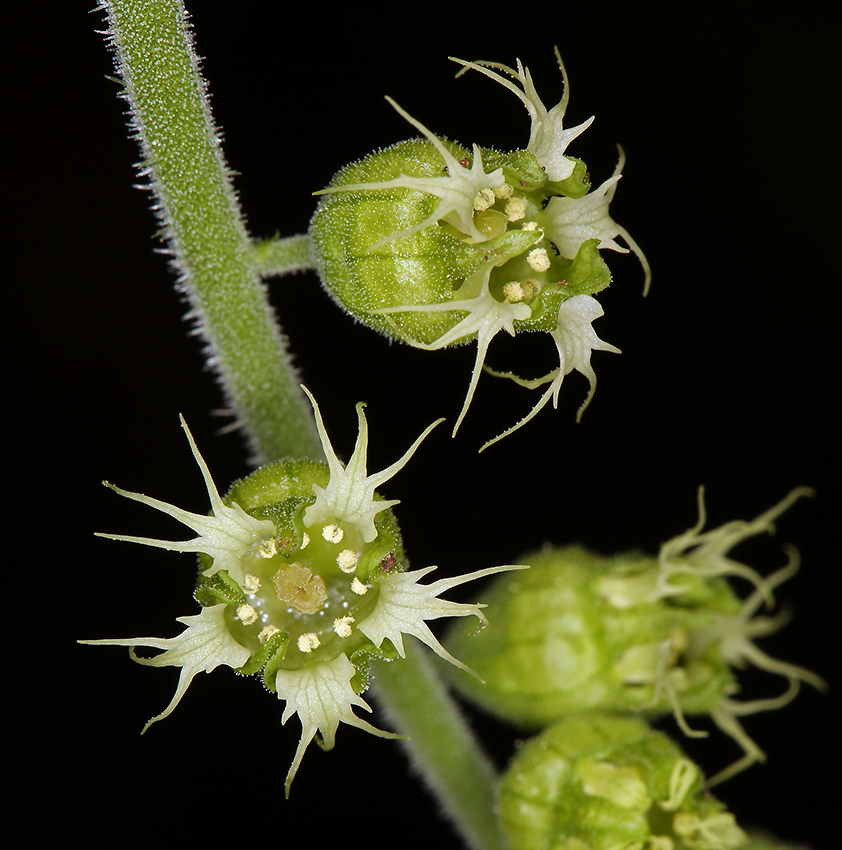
220,270
217,264
440,745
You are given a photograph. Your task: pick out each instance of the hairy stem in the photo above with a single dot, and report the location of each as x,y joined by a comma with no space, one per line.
217,264
220,270
282,255
440,744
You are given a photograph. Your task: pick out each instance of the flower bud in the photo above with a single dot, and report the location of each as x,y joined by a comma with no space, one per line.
599,781
435,244
631,633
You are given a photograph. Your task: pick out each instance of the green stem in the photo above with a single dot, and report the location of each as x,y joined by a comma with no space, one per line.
440,744
282,255
218,266
220,271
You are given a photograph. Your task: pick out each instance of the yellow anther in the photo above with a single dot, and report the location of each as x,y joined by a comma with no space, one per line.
347,560
513,291
308,642
538,259
266,632
268,548
485,198
246,614
516,209
332,533
342,626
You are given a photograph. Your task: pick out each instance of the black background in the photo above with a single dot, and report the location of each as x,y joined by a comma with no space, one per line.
728,378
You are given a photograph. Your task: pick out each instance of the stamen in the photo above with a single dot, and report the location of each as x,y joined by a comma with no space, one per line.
358,587
347,560
332,533
308,642
246,614
342,626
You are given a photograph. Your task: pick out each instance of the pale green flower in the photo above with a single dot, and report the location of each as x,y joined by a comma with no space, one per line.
307,596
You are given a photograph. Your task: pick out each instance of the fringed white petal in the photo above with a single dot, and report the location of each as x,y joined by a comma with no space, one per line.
226,534
203,646
548,139
575,339
349,495
404,606
322,697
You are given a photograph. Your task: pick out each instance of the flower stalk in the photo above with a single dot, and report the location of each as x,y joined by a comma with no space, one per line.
218,266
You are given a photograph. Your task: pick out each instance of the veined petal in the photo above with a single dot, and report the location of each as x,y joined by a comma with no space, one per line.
575,339
322,697
203,646
404,606
548,139
568,222
486,318
226,534
349,495
706,553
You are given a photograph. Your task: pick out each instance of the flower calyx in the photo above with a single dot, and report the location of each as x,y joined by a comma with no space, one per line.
600,780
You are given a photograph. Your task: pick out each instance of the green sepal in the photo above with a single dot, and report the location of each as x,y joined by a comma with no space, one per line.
577,185
261,492
520,168
585,274
267,659
219,587
361,659
371,566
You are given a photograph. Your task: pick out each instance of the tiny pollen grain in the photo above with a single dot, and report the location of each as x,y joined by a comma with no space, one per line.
538,259
246,614
332,533
347,560
266,632
504,191
358,587
342,626
530,225
308,641
516,209
251,583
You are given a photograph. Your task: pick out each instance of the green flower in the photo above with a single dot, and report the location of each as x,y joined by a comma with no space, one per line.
435,244
303,581
601,782
581,632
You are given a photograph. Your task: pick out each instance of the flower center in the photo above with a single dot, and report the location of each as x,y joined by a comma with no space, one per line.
312,593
